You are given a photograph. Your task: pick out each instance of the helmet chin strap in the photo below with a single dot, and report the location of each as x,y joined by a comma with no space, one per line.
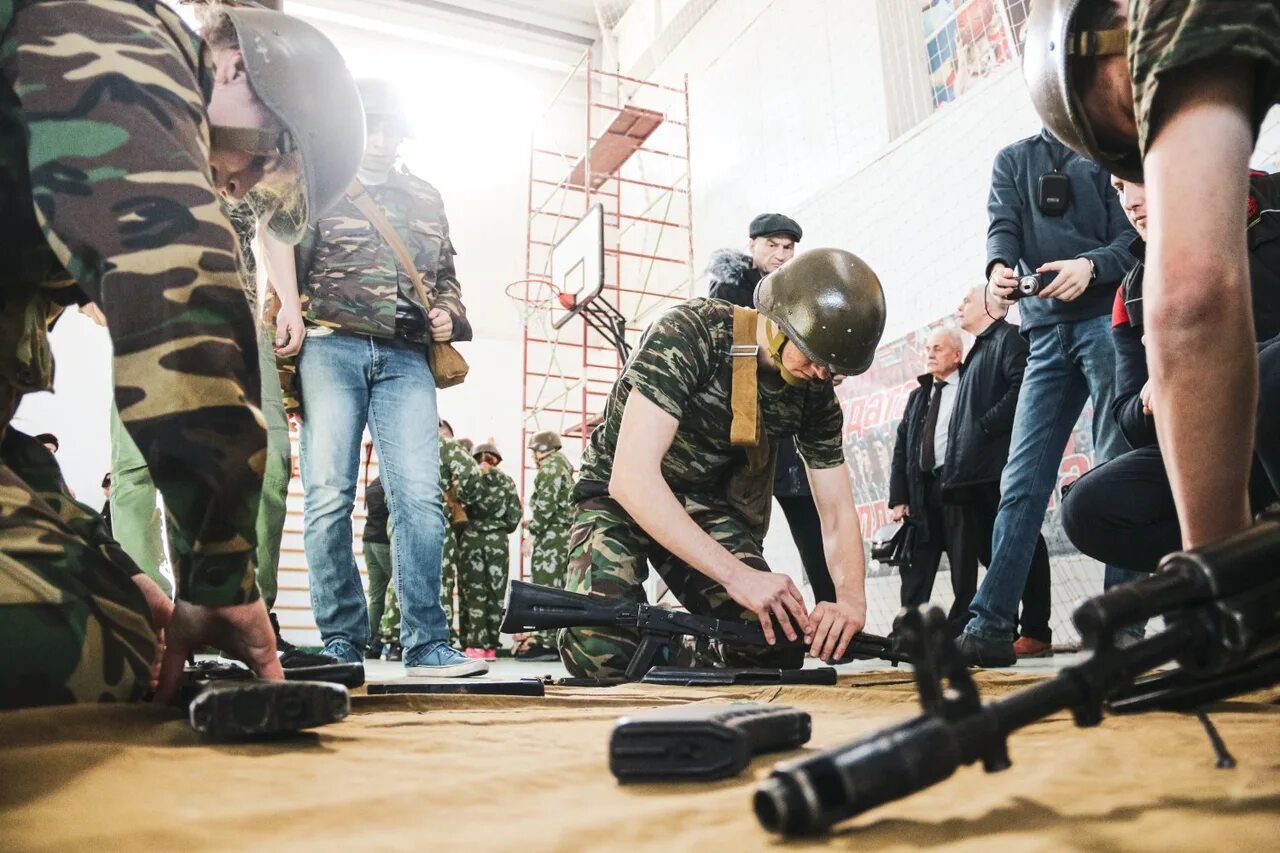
777,340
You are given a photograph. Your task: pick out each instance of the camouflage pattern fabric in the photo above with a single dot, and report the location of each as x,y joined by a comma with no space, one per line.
609,555
484,559
1167,35
105,196
105,137
348,279
683,366
550,517
73,626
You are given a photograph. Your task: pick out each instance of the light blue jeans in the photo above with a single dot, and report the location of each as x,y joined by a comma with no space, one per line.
1068,364
348,381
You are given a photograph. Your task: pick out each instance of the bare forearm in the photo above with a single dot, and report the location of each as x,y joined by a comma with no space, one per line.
1200,340
842,545
281,272
647,498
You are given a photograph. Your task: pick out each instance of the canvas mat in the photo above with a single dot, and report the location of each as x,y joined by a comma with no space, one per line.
505,773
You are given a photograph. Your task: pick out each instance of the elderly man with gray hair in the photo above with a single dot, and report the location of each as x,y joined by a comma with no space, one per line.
919,470
981,425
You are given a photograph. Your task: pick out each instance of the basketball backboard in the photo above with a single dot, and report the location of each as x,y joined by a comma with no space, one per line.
577,266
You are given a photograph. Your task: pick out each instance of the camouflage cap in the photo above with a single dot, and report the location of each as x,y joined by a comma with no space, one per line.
544,441
830,305
1057,35
301,78
487,447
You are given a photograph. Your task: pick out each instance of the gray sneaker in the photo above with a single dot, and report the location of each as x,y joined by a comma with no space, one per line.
444,661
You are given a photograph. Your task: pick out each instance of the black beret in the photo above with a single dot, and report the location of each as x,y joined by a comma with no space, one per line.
768,224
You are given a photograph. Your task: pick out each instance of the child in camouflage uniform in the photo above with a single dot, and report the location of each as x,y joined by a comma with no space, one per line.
484,556
547,545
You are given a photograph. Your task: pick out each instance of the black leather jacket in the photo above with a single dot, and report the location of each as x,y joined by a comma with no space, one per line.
986,399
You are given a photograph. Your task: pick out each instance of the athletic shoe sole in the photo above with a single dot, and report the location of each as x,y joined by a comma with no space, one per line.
233,710
453,670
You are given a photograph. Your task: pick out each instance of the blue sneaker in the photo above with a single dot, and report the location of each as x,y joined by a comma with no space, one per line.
343,652
444,661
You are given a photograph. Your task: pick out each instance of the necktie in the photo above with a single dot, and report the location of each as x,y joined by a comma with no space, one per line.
927,461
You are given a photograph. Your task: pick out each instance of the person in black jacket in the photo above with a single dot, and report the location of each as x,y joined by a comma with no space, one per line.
919,469
986,399
1123,512
733,277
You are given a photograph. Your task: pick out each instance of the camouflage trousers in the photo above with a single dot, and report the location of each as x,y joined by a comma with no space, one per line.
387,624
609,555
547,565
73,625
1166,36
484,560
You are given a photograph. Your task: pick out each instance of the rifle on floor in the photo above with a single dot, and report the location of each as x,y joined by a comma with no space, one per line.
531,607
1221,607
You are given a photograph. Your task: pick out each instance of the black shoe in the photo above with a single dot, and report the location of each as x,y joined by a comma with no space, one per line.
314,666
235,710
985,653
374,652
395,651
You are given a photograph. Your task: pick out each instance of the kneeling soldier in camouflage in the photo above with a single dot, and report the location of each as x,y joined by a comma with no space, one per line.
679,474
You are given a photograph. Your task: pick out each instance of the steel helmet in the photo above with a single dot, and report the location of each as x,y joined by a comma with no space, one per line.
487,447
829,303
301,78
1052,44
544,441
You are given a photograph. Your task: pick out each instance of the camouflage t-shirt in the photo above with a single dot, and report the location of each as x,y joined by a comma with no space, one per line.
683,366
551,505
497,505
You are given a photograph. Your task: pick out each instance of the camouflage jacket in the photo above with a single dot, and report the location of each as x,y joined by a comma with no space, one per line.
551,505
104,132
348,278
497,507
683,366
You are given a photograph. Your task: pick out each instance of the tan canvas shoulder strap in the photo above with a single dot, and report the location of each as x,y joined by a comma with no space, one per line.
744,430
364,202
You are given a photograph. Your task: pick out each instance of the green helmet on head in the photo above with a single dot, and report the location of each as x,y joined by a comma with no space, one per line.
486,448
466,444
544,441
1059,34
302,79
829,303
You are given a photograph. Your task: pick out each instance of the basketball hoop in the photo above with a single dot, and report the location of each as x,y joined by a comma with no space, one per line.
533,298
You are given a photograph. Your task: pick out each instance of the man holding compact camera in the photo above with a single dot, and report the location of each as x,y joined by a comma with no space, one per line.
1053,215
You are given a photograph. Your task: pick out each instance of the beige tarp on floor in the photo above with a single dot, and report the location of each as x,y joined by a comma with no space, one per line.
472,773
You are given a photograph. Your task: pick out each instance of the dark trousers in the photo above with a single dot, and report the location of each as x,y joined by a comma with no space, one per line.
1122,513
981,503
941,527
806,530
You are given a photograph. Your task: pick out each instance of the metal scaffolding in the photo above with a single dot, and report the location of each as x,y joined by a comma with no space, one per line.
622,143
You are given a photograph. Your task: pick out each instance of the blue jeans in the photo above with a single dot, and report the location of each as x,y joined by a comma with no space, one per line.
1068,364
349,381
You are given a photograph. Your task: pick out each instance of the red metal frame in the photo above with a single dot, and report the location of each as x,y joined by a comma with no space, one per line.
569,399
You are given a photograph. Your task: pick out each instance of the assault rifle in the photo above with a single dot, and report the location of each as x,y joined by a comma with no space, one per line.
531,607
1221,606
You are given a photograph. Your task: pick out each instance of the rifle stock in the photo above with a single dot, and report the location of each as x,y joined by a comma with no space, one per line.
531,607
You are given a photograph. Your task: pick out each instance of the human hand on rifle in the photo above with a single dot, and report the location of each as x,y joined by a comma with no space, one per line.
770,596
832,626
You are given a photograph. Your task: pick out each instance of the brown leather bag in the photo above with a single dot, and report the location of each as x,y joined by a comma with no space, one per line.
447,364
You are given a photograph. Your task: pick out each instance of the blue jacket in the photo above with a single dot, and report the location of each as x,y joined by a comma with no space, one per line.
1023,238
